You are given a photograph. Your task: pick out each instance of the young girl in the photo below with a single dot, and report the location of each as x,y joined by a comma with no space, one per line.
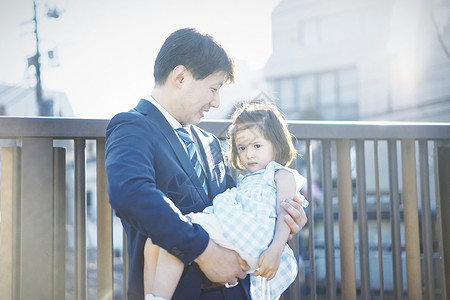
248,218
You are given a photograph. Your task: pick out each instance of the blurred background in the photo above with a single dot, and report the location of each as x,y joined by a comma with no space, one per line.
320,60
96,57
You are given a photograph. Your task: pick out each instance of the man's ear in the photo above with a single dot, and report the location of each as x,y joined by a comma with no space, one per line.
178,75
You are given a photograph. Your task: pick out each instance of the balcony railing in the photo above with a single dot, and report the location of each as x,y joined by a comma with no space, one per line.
377,221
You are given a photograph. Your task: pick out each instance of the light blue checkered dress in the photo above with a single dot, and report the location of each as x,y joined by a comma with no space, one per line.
247,216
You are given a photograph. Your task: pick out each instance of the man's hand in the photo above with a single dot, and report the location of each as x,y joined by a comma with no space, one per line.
222,265
296,217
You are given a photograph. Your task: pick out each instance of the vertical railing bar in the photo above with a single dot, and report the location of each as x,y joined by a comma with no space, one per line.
362,220
59,223
9,205
345,205
17,220
395,220
105,275
328,221
412,239
125,264
294,289
10,227
427,237
378,205
312,247
439,153
80,220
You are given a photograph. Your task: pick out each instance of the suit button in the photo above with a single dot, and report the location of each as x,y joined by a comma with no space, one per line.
176,252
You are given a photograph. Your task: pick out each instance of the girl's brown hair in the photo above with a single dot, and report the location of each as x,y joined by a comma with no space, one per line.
267,118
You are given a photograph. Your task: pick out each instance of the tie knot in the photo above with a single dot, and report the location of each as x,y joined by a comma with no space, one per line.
184,135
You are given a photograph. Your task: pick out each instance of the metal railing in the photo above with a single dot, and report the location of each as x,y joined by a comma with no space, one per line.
376,228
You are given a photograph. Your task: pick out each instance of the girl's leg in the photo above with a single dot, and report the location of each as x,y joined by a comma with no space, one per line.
168,273
151,252
162,271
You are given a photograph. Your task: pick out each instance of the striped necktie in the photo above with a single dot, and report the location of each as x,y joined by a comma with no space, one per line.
185,137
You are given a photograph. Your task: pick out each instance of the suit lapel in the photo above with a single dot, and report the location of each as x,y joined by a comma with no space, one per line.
151,112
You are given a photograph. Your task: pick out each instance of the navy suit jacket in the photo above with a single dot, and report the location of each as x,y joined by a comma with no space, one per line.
151,184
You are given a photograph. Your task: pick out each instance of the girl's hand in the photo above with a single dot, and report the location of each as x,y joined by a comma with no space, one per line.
269,262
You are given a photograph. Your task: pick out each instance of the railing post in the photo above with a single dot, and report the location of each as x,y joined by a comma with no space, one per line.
10,222
59,223
105,276
442,165
395,220
411,220
126,265
328,220
345,204
379,219
427,233
294,288
36,216
362,220
33,221
312,246
80,220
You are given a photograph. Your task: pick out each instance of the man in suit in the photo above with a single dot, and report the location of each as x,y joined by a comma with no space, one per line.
152,182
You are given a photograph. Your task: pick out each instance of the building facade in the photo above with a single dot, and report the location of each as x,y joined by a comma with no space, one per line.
361,60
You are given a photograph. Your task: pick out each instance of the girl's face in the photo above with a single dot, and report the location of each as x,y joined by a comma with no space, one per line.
254,150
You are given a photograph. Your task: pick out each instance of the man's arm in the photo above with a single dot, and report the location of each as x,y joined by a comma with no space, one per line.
131,146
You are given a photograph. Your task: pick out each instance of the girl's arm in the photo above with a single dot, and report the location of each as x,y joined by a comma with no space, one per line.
269,260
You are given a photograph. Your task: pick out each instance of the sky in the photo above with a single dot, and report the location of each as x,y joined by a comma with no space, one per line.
104,50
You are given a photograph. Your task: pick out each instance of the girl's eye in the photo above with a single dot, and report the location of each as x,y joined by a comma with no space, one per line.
241,148
257,146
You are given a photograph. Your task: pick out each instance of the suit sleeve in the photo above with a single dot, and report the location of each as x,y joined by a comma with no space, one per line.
129,162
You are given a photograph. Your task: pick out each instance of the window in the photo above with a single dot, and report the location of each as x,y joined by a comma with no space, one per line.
330,95
327,95
309,33
348,93
287,96
347,86
342,27
306,91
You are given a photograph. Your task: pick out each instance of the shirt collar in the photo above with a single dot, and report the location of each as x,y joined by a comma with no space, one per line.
172,121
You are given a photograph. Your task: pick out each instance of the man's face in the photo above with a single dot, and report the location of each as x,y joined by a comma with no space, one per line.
198,96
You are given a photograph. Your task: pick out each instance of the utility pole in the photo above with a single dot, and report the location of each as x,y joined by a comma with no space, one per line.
34,61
